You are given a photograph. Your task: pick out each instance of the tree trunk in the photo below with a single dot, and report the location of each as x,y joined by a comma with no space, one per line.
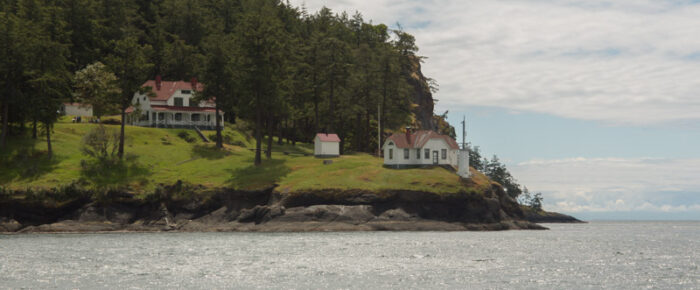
121,134
331,116
34,129
258,135
280,138
219,142
5,116
48,140
359,131
270,134
368,132
286,130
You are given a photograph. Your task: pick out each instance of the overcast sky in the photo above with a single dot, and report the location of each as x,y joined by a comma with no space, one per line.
594,103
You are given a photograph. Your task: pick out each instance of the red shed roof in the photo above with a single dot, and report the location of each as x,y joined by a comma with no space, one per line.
168,88
419,138
328,137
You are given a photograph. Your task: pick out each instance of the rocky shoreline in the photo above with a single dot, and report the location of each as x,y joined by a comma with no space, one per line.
271,211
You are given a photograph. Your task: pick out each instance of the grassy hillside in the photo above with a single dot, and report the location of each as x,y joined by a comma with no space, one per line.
161,156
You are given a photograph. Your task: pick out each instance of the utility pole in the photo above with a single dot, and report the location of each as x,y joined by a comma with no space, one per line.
464,132
379,129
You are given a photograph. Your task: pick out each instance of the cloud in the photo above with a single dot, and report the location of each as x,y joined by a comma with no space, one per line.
621,62
614,184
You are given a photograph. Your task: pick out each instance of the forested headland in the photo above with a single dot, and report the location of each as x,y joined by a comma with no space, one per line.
285,71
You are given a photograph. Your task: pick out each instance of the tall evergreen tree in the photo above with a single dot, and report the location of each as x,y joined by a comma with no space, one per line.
128,62
261,63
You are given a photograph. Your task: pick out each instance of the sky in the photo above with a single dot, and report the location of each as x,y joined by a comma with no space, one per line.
595,104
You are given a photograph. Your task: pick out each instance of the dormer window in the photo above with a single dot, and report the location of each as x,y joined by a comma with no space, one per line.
178,102
186,92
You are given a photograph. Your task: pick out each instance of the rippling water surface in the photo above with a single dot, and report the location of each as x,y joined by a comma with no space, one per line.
628,255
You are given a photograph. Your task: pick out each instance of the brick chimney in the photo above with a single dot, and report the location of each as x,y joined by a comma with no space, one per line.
158,82
193,82
408,135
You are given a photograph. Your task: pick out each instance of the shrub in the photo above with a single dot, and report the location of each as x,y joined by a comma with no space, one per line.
101,143
184,135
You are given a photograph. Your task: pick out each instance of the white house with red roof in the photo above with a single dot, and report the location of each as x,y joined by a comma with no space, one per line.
326,145
170,104
420,148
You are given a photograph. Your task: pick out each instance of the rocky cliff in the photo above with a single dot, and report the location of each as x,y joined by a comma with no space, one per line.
269,210
424,104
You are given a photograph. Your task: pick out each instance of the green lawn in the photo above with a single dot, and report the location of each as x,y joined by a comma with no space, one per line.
160,156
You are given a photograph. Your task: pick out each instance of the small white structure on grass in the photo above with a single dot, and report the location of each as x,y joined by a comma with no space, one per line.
76,109
425,148
420,148
326,145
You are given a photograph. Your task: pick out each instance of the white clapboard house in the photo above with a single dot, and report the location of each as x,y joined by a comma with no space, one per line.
326,145
424,148
170,104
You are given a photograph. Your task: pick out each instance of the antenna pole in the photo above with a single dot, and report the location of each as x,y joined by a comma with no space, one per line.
379,129
464,132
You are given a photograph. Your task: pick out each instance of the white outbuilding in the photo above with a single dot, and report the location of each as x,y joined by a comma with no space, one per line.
76,109
326,145
424,148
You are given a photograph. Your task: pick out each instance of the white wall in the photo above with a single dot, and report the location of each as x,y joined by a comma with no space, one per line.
432,144
72,110
326,148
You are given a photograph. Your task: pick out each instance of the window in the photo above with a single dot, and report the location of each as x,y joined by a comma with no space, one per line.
391,153
178,116
144,99
154,116
195,117
208,118
427,153
443,153
186,92
178,102
405,154
193,103
161,116
418,153
391,143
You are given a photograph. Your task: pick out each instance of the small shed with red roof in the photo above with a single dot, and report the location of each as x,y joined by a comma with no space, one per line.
326,145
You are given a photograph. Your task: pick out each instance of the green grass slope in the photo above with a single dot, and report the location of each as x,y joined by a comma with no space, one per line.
160,156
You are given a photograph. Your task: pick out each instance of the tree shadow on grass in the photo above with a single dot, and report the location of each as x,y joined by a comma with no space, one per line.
115,173
23,162
258,177
209,152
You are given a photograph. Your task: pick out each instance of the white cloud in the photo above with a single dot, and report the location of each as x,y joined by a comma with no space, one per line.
614,184
629,62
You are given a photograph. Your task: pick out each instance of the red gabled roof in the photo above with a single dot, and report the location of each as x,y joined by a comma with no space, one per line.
78,105
168,88
159,108
328,137
419,138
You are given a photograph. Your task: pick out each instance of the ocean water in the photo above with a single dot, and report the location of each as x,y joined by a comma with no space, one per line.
617,255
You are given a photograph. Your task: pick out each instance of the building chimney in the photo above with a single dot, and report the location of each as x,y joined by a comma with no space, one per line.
158,80
193,82
408,135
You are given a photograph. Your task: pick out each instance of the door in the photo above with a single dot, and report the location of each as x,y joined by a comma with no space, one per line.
435,157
